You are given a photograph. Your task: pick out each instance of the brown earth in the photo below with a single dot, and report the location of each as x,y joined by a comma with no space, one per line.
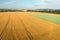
23,26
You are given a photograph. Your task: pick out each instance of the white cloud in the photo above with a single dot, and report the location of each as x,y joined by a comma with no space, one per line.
55,4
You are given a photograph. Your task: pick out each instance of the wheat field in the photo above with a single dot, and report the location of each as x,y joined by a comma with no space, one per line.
24,26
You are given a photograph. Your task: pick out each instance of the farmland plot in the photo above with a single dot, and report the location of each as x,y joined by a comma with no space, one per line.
27,26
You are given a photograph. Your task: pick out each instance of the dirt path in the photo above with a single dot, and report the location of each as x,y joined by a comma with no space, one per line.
23,26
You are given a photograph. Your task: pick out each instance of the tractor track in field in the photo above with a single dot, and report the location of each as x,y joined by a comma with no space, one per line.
15,32
27,32
2,33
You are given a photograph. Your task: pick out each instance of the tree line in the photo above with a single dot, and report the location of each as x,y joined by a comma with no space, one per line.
40,10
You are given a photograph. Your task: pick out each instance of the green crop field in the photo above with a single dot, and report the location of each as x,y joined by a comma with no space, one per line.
55,19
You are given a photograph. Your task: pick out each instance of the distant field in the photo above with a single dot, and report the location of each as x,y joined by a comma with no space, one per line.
49,17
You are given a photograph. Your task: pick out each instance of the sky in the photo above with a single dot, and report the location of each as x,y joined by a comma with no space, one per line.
30,4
